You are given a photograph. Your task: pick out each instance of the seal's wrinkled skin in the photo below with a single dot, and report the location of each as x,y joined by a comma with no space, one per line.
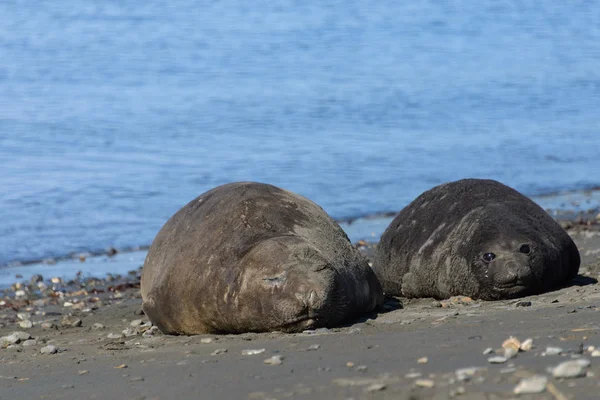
250,257
476,238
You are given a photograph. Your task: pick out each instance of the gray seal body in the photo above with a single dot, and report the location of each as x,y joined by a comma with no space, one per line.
476,238
251,257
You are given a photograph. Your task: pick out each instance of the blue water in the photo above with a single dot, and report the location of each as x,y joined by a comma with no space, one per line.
114,114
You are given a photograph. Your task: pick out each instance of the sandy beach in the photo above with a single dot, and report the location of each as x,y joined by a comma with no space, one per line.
89,339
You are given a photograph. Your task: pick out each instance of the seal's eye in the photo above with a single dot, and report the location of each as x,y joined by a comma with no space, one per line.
488,257
525,249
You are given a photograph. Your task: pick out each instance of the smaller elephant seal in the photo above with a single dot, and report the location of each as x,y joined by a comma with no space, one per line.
251,257
476,238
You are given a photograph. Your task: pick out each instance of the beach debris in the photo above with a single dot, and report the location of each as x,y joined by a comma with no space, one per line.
218,351
252,352
497,360
526,345
274,360
424,383
532,385
422,360
49,349
571,369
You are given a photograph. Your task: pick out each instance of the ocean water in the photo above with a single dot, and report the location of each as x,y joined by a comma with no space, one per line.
114,114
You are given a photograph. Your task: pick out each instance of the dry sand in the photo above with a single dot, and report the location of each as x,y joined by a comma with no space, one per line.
397,354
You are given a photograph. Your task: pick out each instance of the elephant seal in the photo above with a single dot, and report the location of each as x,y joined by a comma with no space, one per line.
251,257
476,238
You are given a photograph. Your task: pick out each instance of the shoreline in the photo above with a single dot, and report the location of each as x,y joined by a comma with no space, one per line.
90,340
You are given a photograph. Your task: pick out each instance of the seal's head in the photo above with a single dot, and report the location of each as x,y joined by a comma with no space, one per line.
304,290
505,268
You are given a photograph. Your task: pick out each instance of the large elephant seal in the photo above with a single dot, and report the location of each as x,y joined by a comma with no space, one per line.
476,238
251,257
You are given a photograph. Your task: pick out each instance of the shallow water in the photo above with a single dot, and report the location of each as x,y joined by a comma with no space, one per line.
115,114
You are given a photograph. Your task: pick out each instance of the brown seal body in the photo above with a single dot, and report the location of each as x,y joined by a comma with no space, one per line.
477,238
251,257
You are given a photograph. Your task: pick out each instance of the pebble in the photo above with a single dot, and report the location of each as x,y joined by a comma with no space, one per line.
552,351
20,293
29,343
425,383
526,345
531,385
218,351
48,349
376,387
71,321
523,304
361,368
129,332
24,316
47,325
464,374
15,347
511,343
26,324
97,327
422,360
275,360
136,322
413,375
571,369
252,352
510,353
114,335
14,338
206,340
596,353
314,347
487,351
153,330
497,360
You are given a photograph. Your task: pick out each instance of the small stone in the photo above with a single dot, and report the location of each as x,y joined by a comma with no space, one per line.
70,321
349,364
67,304
114,335
29,343
20,293
314,347
136,322
532,385
465,374
375,387
136,379
153,330
413,375
361,368
275,360
97,327
24,316
48,350
15,347
129,332
497,360
55,280
553,351
523,304
47,325
121,366
487,351
25,324
14,338
571,369
596,353
526,345
218,351
510,353
206,340
83,372
422,360
252,352
425,383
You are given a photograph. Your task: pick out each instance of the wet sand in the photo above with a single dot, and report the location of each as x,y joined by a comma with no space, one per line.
396,354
